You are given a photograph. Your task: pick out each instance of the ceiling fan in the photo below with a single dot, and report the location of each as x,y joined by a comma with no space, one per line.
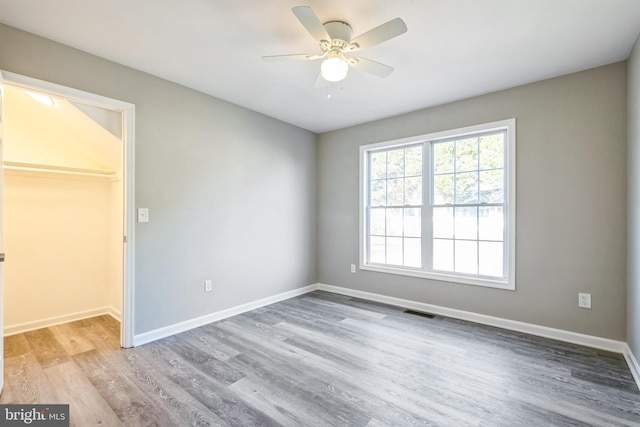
335,41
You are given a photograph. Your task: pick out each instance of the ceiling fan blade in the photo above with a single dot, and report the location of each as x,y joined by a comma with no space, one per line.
310,21
295,57
370,67
320,82
379,34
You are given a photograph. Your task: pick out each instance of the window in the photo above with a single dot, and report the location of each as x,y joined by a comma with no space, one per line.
442,205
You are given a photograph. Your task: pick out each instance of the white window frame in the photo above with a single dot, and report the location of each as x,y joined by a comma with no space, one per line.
508,282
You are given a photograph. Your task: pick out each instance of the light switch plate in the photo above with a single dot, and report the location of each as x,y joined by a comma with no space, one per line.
143,214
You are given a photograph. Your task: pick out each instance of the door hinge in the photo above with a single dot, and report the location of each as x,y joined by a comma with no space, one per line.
124,239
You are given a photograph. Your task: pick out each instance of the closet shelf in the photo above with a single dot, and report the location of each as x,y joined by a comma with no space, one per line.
55,168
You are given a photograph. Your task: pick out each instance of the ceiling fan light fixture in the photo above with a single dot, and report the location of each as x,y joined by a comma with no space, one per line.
334,69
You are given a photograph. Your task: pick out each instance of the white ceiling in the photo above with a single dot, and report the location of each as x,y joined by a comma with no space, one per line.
454,49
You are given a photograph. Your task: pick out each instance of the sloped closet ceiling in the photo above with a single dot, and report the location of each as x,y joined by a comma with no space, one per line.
53,132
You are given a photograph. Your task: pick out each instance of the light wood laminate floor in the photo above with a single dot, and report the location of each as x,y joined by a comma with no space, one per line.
321,360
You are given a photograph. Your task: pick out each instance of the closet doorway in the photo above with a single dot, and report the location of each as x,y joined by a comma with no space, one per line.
67,193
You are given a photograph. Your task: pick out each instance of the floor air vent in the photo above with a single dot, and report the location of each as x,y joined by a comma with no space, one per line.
420,313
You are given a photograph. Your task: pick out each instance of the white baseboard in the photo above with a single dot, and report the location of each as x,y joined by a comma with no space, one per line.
166,331
633,364
514,325
57,320
115,313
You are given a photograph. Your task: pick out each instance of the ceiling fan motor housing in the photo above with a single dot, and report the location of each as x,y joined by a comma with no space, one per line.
339,30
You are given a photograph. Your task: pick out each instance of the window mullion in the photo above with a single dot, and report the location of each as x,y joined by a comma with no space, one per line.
427,210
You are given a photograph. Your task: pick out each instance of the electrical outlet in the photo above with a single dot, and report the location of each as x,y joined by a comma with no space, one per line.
208,286
353,268
584,300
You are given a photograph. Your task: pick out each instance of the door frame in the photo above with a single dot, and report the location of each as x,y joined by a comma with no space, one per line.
127,110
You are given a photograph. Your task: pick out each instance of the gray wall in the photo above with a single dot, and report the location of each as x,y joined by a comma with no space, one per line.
633,215
571,203
231,193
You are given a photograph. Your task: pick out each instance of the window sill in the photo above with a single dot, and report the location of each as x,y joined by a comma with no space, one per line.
487,283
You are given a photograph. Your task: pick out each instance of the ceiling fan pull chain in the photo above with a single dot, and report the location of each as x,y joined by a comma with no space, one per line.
329,95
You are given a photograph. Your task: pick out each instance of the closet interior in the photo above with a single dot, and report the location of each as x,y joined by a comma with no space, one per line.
63,210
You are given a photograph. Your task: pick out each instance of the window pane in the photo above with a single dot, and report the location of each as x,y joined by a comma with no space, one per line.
466,223
467,154
413,222
377,250
466,258
412,253
378,193
443,157
491,259
395,163
395,192
442,255
443,189
394,250
378,164
491,223
467,188
413,161
443,223
395,232
394,222
492,186
492,151
376,222
413,191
